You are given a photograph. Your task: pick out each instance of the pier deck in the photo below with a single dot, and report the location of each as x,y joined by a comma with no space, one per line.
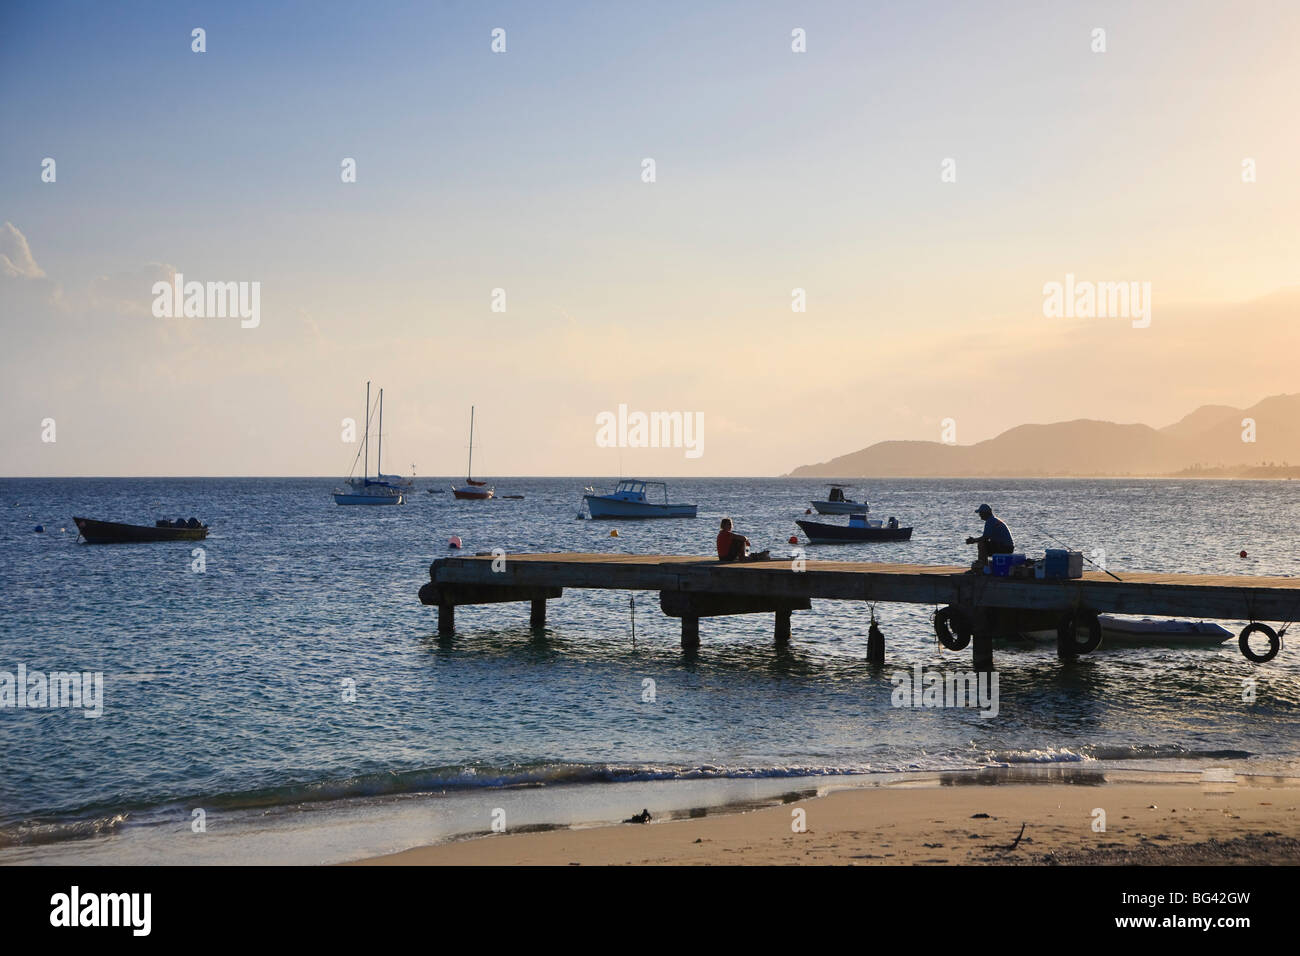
695,587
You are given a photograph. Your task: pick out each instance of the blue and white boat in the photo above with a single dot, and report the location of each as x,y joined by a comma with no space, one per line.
629,500
370,491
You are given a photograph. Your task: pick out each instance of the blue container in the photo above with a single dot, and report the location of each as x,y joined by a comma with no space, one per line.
1003,563
1057,563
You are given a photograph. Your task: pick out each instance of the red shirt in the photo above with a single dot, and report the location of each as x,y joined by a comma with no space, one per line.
724,544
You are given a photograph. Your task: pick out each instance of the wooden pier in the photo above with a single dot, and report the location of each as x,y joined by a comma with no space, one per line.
975,607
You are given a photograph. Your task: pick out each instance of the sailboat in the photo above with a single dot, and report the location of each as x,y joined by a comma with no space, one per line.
370,491
472,490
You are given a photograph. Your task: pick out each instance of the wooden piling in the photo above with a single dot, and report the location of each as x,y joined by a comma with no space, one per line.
690,632
783,626
537,617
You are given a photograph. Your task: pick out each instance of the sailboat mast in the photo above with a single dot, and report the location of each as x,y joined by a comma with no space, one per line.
365,469
379,459
469,472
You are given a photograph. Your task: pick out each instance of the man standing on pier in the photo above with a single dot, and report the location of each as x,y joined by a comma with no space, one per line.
996,538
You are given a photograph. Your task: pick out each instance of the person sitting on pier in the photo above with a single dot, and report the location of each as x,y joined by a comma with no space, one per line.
996,538
733,547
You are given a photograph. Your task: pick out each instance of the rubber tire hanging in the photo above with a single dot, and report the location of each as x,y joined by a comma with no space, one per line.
1067,632
952,628
1274,642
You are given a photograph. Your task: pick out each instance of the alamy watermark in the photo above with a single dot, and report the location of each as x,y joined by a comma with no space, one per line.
36,690
208,300
934,688
1083,299
624,429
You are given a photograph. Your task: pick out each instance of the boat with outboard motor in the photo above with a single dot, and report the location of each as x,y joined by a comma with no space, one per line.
859,528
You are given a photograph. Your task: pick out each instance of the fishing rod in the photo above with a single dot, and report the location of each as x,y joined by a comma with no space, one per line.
1081,554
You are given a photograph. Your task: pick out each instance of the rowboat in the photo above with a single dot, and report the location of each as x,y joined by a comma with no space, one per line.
113,532
629,500
858,529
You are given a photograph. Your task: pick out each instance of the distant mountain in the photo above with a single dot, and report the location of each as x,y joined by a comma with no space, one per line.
1210,438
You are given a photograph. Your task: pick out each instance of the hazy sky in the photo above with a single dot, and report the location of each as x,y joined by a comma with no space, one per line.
522,171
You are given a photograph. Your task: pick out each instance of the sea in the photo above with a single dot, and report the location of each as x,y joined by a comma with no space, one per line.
276,693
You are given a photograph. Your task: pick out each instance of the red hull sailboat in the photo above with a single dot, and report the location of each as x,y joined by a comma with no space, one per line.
472,490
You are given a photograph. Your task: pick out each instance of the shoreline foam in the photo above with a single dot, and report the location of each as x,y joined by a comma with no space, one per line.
952,818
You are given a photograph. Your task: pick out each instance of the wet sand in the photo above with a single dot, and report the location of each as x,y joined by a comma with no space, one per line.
1007,824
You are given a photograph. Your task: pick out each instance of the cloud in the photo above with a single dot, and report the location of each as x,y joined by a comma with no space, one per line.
16,260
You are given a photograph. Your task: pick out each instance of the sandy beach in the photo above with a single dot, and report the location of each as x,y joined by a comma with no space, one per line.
1004,824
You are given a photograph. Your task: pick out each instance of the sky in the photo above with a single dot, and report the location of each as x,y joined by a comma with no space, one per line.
825,171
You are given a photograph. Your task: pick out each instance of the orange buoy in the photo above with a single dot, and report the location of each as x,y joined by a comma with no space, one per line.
454,542
794,539
807,511
613,533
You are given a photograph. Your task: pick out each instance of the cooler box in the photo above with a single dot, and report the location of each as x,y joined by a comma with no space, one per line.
1060,563
1003,563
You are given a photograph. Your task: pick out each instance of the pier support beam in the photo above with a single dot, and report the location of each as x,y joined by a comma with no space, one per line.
982,650
690,606
445,597
690,632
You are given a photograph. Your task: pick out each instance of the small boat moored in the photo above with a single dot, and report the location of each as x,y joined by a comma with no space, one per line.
837,504
472,490
629,500
858,529
113,532
1152,631
368,491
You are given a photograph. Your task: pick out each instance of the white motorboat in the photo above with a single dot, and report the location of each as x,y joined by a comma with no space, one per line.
629,500
837,503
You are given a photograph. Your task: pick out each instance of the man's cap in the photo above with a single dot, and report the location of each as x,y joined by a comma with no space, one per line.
983,508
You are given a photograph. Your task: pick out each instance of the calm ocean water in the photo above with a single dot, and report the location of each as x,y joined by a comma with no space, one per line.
224,689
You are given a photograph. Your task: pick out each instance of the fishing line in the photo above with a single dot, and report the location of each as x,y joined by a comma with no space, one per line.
1069,548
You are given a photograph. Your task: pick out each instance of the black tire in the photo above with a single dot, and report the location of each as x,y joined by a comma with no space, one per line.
1067,632
1274,642
952,628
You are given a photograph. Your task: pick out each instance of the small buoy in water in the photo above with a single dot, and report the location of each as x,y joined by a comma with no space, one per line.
1243,554
40,529
794,539
613,533
807,511
454,541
